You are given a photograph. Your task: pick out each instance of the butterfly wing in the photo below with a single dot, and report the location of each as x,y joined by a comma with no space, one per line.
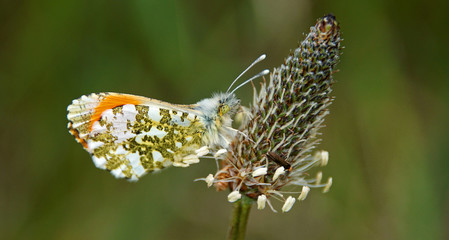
132,135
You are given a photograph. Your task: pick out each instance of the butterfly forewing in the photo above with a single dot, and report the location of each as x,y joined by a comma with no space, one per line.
131,135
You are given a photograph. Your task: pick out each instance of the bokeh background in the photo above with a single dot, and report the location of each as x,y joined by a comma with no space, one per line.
387,133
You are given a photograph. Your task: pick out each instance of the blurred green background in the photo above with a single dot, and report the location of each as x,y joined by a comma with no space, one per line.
387,133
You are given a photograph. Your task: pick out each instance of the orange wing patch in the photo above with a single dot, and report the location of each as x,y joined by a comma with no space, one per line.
86,110
110,102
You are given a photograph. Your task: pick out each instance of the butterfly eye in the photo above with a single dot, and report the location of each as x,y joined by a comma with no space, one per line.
223,109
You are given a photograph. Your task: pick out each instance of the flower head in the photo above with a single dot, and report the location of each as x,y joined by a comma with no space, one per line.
275,147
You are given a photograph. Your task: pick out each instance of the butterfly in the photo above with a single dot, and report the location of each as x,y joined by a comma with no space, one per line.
131,135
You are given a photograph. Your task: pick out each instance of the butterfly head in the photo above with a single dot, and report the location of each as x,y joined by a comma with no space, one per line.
228,105
216,115
218,108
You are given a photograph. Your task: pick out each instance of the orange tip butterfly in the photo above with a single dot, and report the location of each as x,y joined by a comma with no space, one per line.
131,135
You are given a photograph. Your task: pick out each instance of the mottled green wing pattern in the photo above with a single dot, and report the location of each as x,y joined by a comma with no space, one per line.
131,140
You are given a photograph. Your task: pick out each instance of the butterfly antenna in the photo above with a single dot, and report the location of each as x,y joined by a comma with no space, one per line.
263,73
262,57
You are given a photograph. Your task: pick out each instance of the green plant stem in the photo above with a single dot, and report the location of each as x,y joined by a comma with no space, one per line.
239,218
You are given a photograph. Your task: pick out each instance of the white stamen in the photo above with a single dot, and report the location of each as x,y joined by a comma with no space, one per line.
220,152
323,157
288,204
209,180
305,191
271,206
278,172
328,185
260,172
319,176
234,196
261,201
202,151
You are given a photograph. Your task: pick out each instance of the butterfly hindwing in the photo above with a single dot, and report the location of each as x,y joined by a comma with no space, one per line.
131,135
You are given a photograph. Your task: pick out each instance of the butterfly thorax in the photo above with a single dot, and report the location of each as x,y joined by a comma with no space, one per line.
216,115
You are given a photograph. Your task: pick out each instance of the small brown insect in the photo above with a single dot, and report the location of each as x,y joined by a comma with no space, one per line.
279,160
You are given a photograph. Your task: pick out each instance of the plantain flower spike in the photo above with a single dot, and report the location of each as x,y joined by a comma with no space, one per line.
277,143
